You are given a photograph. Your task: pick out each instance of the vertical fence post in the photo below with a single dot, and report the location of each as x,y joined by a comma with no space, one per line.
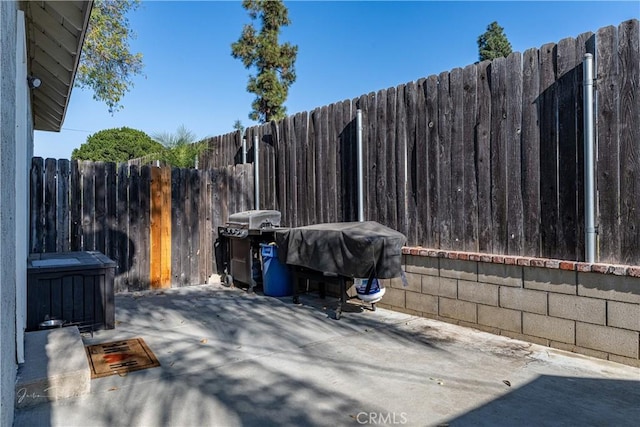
244,150
360,166
256,171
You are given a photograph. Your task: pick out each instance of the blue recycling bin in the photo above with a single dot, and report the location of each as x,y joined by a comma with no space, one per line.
275,275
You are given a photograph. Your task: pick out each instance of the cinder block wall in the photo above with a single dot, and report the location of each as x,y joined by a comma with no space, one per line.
592,309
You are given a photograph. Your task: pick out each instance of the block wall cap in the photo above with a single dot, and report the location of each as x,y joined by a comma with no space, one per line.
525,261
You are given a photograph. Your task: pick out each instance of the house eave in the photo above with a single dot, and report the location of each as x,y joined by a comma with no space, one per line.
55,35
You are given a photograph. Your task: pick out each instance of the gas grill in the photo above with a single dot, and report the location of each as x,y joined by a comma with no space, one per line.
240,239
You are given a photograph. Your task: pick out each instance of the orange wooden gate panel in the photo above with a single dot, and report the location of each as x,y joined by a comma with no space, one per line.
160,265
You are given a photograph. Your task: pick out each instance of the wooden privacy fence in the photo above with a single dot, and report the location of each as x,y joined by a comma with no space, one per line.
158,224
485,158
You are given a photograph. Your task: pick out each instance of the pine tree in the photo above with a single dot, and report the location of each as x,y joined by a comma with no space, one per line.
272,61
493,43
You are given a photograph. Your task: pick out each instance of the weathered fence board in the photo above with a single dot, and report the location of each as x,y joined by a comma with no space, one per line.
277,129
75,193
194,226
456,124
433,142
401,145
50,197
513,139
155,274
548,152
133,276
412,186
270,157
291,140
382,164
177,227
530,152
432,164
567,62
369,139
299,181
498,150
421,166
349,165
99,219
483,152
389,195
263,172
263,132
111,193
469,187
329,166
122,241
62,214
187,243
410,207
312,173
319,162
88,205
629,82
203,214
444,161
37,205
334,202
608,143
220,212
323,148
144,245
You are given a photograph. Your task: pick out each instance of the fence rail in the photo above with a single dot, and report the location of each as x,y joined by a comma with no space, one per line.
159,224
485,158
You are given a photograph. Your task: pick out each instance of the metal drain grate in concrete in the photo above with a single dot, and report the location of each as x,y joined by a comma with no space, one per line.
120,357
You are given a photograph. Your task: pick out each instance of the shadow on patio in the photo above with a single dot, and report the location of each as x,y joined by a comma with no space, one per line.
231,359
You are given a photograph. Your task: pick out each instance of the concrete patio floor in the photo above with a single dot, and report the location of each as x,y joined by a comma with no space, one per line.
229,358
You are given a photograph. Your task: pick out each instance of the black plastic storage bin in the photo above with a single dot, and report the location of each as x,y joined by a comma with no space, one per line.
75,287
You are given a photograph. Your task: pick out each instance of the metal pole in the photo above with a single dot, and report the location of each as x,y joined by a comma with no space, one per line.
360,167
244,150
589,160
256,171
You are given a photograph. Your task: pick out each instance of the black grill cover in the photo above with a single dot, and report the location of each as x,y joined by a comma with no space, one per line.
351,249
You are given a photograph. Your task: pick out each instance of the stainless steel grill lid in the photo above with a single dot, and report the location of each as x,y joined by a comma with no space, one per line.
255,219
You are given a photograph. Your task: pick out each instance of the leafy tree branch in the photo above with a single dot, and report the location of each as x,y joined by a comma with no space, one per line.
107,65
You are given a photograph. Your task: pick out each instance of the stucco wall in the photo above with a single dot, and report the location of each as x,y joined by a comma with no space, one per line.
592,309
8,365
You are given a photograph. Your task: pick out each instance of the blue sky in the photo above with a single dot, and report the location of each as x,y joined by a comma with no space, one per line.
345,49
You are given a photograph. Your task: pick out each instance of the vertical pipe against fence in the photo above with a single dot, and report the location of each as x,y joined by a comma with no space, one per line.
244,150
360,166
589,174
256,171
